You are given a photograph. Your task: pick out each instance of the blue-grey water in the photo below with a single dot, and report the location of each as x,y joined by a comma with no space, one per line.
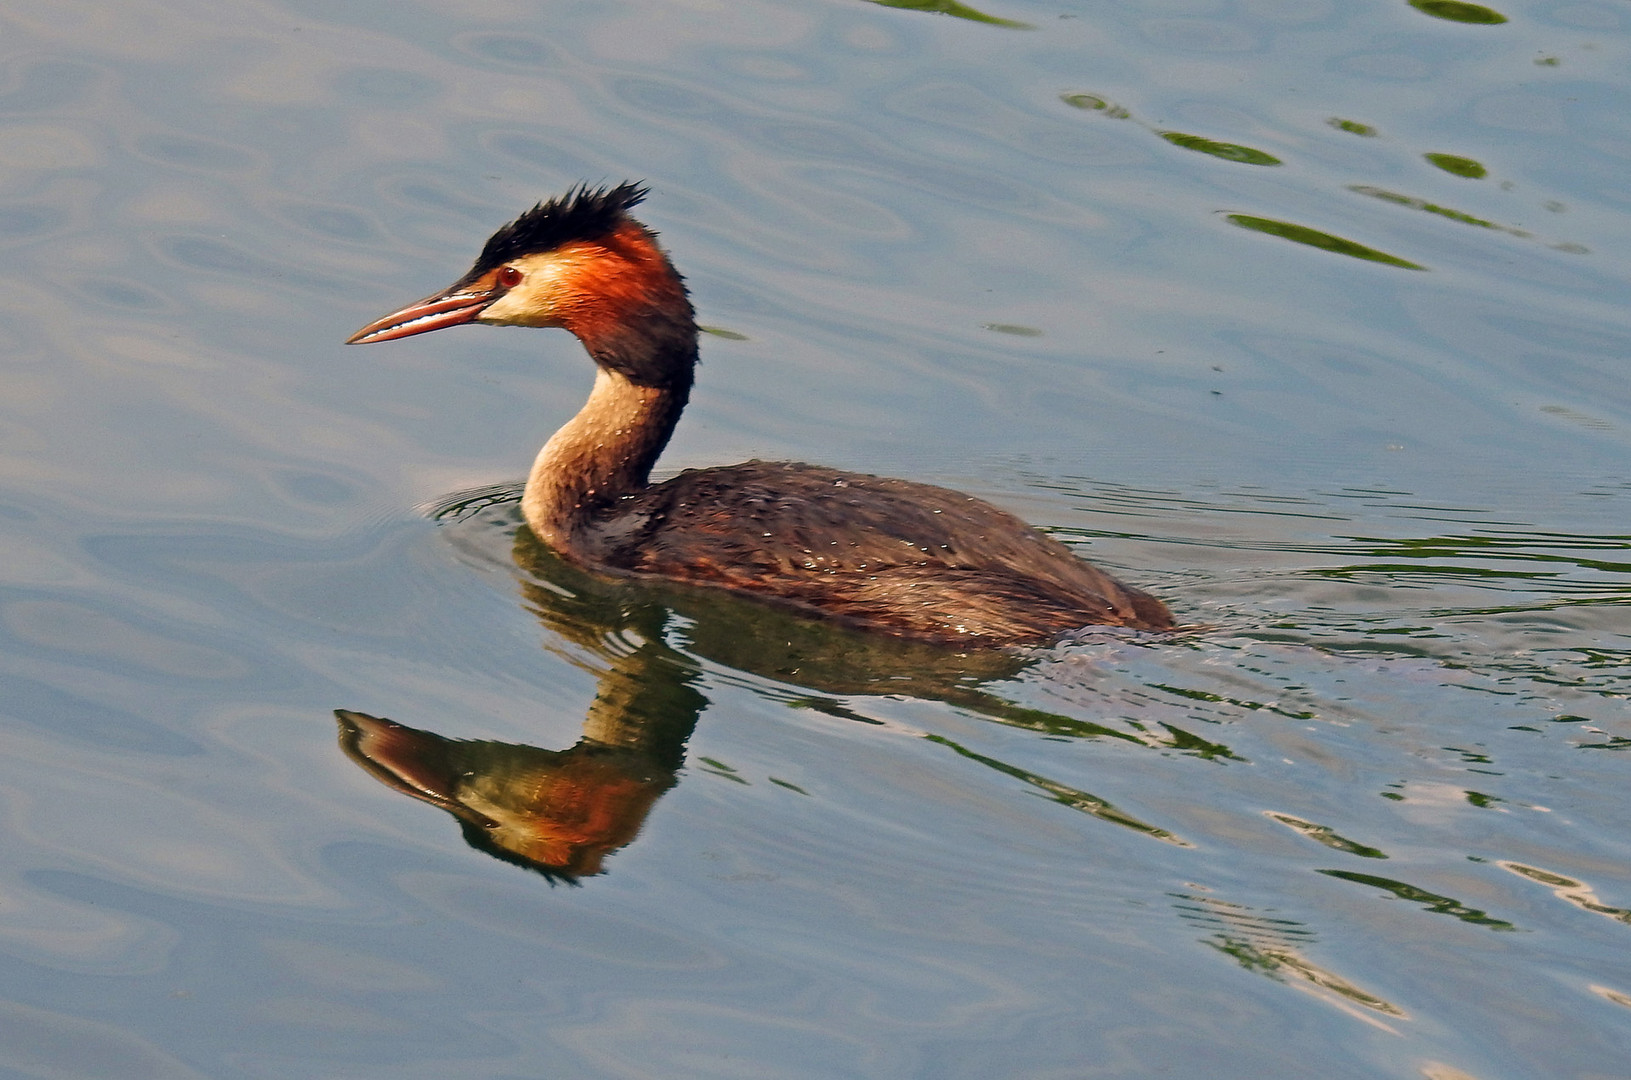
1312,317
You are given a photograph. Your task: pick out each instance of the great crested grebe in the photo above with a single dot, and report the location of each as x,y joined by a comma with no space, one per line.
886,555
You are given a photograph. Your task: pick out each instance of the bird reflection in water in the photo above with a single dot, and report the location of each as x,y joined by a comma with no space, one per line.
559,812
562,812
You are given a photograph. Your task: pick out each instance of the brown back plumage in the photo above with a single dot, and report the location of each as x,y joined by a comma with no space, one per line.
910,559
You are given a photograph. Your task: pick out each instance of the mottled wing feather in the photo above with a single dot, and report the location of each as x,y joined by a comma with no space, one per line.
918,560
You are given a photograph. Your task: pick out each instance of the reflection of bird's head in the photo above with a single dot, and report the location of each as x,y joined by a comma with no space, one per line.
559,813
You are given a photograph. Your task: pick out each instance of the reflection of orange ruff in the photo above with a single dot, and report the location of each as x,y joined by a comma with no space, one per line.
591,806
558,812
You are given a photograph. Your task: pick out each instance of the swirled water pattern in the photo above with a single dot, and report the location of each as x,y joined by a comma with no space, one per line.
1312,317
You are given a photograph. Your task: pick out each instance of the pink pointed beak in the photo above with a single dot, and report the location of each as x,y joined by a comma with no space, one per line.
457,305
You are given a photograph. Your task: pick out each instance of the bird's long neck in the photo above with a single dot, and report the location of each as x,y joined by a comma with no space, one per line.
602,454
621,297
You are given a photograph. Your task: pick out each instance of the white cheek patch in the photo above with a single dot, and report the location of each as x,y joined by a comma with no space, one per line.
533,301
505,311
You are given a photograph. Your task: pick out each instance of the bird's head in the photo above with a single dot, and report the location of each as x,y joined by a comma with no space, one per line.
578,261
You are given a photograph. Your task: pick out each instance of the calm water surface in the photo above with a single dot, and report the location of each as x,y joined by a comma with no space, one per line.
1312,317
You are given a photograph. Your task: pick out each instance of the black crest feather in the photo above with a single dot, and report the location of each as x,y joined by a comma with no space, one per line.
583,213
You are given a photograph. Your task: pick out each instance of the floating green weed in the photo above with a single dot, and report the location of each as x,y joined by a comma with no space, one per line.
1302,234
1458,166
952,8
1095,103
1352,127
1245,155
1430,208
1456,11
1442,905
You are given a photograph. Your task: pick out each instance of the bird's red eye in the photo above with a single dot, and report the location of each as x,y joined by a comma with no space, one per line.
509,277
